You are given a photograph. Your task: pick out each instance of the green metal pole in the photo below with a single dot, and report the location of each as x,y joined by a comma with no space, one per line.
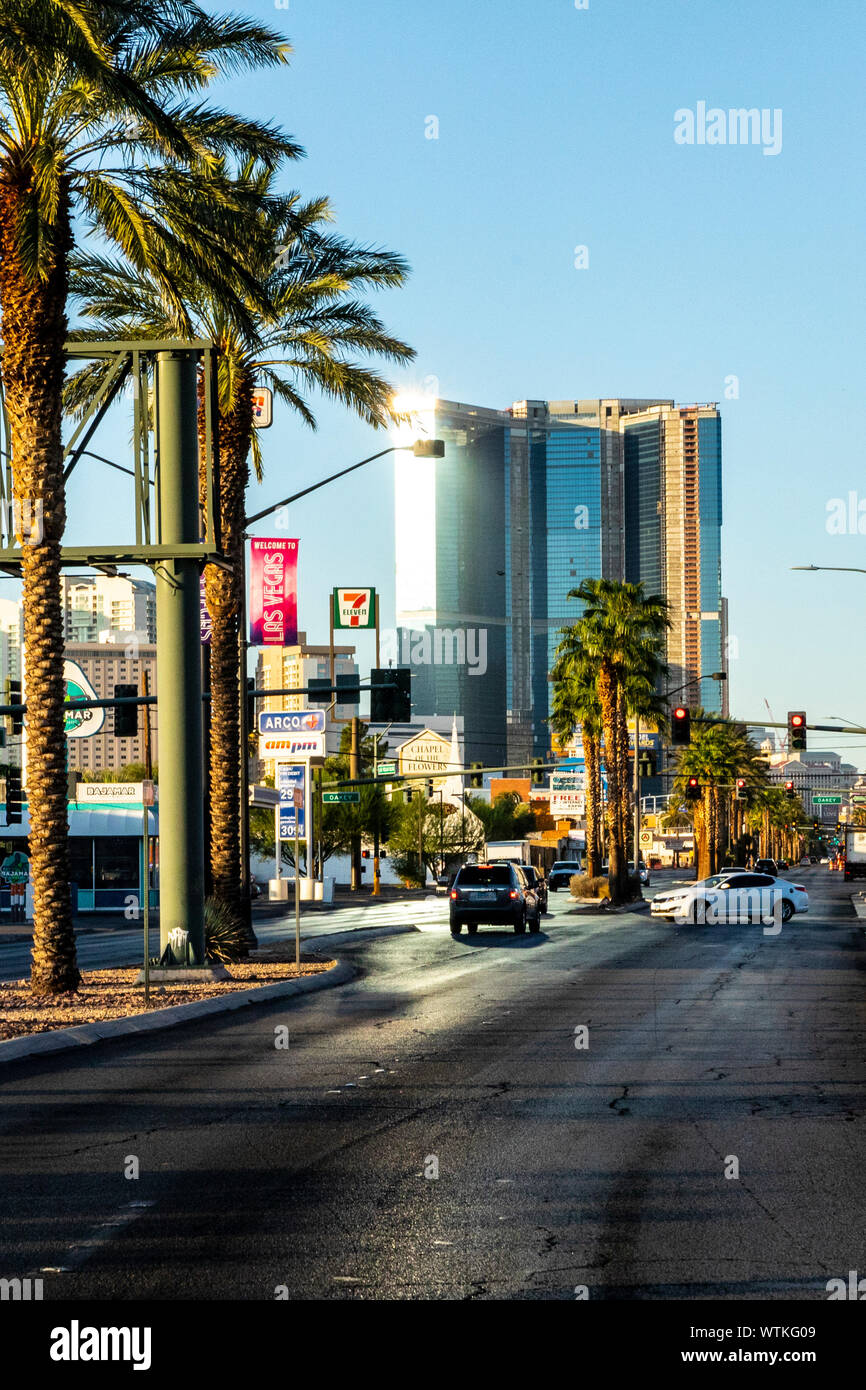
179,693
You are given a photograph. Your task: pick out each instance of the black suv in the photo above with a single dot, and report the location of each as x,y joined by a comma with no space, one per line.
493,893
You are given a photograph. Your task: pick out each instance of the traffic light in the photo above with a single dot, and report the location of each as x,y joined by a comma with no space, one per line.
428,787
393,706
15,722
348,691
14,796
789,790
681,727
693,789
797,729
407,795
251,705
741,789
71,785
125,716
476,776
538,772
316,684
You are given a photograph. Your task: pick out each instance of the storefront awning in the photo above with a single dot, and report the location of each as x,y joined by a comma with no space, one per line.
112,820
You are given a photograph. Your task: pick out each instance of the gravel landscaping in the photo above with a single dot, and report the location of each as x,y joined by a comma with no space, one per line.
106,994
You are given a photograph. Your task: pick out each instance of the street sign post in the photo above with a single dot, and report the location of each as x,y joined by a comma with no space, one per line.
350,797
298,799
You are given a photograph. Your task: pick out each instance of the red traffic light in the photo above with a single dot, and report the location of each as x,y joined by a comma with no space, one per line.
693,782
797,720
789,786
681,727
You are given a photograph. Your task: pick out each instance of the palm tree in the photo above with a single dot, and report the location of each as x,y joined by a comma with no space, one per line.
622,631
575,704
82,81
307,337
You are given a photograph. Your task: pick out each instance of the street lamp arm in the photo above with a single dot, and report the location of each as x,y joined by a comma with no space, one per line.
296,496
840,569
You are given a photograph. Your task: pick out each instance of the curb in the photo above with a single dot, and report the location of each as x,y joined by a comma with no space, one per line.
85,1034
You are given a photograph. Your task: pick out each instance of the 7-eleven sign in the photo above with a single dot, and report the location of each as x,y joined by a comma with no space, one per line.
354,607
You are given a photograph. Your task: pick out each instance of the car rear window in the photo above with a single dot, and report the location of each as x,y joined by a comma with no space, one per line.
492,876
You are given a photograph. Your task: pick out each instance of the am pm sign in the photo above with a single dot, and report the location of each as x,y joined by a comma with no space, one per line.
354,607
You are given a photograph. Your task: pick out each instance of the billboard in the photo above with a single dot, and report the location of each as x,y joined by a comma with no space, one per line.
273,593
568,792
354,607
80,723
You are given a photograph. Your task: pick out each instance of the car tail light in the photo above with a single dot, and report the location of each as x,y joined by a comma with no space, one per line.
514,893
799,887
454,892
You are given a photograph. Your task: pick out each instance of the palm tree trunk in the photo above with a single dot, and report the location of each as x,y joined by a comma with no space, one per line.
608,698
34,332
593,803
222,592
625,784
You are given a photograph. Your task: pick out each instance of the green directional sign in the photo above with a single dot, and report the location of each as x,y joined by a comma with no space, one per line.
331,797
386,769
826,800
858,800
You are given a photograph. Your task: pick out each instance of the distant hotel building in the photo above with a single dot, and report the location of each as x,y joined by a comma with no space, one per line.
528,502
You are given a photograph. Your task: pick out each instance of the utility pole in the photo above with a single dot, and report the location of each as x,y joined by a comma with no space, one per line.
179,694
355,772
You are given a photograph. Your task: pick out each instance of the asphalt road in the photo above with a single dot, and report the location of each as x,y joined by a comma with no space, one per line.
314,1168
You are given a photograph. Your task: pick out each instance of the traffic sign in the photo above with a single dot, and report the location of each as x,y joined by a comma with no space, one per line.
351,797
858,800
386,769
834,800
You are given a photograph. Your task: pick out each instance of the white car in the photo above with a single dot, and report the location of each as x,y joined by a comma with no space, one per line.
726,899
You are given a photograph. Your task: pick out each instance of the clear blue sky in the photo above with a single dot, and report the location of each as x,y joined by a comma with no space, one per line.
556,129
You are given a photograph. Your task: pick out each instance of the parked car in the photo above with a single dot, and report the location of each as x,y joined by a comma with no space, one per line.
562,873
643,872
493,893
766,866
733,898
255,889
538,882
782,865
443,884
813,859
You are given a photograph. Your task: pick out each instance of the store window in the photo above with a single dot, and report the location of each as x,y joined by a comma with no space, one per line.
116,861
81,860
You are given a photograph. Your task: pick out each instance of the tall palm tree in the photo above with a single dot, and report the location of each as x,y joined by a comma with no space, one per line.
622,630
308,337
97,99
575,704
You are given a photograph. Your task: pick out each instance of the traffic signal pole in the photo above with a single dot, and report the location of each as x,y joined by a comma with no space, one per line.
179,685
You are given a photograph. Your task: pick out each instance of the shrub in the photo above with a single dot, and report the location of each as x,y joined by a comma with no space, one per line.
582,886
225,938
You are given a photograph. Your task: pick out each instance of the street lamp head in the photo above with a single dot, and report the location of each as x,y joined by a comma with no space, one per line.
805,567
718,675
429,448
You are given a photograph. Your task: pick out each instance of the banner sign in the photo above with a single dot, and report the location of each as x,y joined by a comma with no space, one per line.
273,593
80,723
354,607
290,781
292,721
283,747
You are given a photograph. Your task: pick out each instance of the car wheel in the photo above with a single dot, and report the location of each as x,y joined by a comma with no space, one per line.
520,924
472,928
535,924
787,910
456,926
